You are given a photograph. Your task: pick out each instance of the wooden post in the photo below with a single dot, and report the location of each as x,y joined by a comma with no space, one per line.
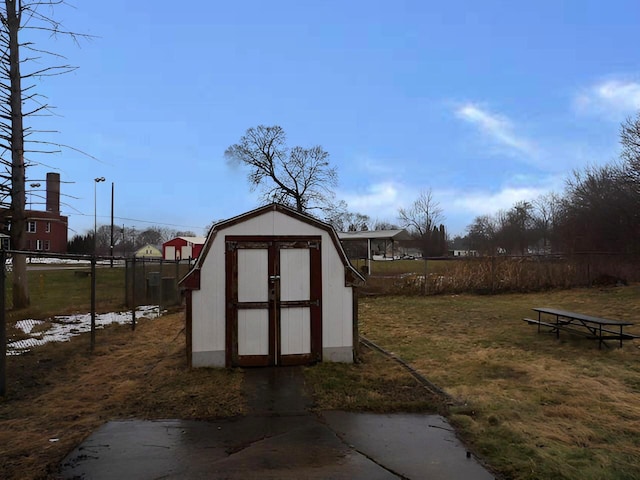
188,328
160,290
356,326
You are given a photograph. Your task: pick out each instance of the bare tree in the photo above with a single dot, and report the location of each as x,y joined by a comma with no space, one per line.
547,214
482,234
517,228
630,170
384,225
630,142
299,177
345,221
17,102
423,218
423,214
601,213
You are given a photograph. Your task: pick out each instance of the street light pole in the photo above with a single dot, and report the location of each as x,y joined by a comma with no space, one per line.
93,261
111,246
95,213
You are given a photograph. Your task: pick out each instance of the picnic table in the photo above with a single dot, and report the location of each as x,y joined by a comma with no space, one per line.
601,329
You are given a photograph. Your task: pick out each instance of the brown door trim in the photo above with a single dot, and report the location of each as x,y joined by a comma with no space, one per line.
274,244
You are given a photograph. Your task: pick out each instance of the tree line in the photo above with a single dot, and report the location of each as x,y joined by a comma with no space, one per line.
599,211
126,240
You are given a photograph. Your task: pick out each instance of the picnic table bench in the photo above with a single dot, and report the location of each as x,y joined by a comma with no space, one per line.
601,329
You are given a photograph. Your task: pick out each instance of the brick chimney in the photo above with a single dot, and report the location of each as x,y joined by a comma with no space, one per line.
53,193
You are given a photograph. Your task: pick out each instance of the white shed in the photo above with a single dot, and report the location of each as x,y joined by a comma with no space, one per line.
271,287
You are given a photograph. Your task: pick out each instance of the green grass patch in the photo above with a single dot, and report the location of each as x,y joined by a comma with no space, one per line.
59,291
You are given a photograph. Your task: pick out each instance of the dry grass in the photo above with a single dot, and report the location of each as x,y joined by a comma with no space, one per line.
499,274
535,408
377,384
60,393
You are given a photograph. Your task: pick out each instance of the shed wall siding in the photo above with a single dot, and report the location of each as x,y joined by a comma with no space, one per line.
209,303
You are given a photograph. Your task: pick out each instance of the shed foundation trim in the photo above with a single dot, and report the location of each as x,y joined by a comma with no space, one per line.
337,354
213,358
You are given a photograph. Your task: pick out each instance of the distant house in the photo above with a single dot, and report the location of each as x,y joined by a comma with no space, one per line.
182,248
148,251
463,253
46,229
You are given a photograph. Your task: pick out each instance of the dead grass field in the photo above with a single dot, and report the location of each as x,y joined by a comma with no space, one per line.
530,406
59,393
534,408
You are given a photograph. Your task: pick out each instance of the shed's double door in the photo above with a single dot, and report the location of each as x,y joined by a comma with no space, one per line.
274,294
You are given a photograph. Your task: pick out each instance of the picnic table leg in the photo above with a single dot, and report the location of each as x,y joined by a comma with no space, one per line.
620,336
600,337
558,327
539,318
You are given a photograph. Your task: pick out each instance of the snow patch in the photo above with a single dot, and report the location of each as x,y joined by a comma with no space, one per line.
65,327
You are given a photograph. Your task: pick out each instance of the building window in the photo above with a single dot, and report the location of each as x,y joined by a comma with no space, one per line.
48,227
38,244
47,245
31,226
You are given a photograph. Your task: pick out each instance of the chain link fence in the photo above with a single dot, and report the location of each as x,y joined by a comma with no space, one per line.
72,295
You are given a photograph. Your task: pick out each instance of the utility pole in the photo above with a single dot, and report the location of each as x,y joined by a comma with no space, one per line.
111,247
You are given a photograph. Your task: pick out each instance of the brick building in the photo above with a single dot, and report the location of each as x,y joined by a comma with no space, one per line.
46,230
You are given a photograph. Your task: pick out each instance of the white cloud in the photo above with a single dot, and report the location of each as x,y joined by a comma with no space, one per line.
461,207
498,128
377,167
482,203
377,195
610,97
380,201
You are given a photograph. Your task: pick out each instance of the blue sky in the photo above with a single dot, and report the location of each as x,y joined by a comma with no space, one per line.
485,103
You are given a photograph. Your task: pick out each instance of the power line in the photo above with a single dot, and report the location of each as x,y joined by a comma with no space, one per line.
140,221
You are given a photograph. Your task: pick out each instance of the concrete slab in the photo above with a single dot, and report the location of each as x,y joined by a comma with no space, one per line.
250,447
279,439
372,447
413,446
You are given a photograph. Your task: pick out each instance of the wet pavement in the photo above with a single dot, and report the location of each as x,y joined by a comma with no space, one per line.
278,439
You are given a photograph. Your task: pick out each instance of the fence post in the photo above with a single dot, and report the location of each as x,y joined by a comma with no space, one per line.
160,290
3,328
93,302
126,282
133,293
